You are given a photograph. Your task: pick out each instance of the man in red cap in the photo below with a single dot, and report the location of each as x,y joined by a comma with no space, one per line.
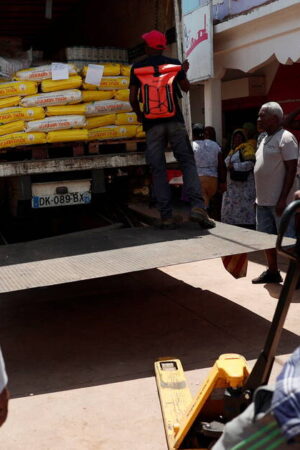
165,125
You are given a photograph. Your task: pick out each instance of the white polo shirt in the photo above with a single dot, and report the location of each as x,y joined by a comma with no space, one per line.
269,169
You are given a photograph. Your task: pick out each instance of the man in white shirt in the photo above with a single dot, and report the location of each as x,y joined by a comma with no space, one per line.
275,180
3,392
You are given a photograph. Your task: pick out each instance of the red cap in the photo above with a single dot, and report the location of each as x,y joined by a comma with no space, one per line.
155,39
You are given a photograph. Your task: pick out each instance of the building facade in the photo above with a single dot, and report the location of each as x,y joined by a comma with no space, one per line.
256,58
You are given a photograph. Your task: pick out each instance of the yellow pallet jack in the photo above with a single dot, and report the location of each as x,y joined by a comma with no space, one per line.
196,423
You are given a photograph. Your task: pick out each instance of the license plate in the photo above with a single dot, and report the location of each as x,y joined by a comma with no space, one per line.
72,198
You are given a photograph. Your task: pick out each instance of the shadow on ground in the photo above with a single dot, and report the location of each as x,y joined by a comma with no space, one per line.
112,329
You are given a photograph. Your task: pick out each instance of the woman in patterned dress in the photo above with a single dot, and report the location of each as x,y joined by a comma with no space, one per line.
238,206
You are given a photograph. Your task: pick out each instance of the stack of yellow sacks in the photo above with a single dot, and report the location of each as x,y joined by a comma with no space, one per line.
34,109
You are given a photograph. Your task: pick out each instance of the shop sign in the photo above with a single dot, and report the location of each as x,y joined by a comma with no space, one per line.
198,42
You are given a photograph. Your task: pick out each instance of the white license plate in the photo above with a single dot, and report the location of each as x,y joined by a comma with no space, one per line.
72,198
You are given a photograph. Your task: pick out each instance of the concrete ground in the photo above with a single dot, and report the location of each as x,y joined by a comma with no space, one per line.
80,356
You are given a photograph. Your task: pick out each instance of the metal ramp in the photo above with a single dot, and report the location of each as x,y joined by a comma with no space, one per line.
101,253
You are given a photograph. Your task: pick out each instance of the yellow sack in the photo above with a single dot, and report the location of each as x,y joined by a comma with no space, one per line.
112,132
140,133
126,119
12,127
66,110
67,97
107,107
67,136
93,96
40,73
16,139
12,88
122,94
125,70
18,113
10,101
56,123
100,121
58,85
108,84
110,69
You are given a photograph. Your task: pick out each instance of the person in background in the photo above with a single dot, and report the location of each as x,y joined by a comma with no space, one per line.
3,391
274,172
251,133
209,161
166,128
238,206
290,120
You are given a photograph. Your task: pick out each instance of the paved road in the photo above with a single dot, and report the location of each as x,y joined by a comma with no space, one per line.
80,356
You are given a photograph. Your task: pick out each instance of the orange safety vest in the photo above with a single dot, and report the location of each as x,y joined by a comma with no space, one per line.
157,90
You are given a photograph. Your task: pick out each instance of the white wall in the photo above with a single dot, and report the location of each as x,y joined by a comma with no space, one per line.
197,103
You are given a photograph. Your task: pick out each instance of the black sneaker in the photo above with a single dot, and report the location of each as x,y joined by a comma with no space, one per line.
268,277
200,215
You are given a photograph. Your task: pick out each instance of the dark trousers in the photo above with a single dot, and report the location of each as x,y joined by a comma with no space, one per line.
157,138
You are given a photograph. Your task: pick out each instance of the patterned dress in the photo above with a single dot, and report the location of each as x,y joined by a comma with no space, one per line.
238,205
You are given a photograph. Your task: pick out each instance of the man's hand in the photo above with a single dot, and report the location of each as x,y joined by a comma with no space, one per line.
280,207
4,396
185,65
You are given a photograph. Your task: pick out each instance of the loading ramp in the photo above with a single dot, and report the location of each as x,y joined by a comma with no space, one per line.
106,252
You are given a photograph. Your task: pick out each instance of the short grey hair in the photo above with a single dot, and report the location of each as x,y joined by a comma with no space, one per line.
274,109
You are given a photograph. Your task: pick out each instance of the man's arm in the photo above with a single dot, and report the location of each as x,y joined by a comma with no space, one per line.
133,99
289,178
184,85
182,80
290,122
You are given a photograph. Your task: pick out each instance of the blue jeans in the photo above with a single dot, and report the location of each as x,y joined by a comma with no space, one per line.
157,138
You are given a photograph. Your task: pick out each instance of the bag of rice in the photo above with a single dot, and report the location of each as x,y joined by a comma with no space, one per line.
40,73
9,101
12,127
100,121
16,139
67,110
122,94
57,123
125,70
59,85
107,107
67,97
126,119
13,88
18,113
67,136
140,133
112,132
108,84
93,96
110,69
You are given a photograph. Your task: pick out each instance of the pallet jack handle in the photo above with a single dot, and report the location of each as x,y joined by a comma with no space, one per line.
261,371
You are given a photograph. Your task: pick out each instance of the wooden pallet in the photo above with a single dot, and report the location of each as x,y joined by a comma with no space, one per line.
80,148
130,145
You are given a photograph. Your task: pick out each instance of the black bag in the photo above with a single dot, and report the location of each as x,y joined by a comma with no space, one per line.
238,175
